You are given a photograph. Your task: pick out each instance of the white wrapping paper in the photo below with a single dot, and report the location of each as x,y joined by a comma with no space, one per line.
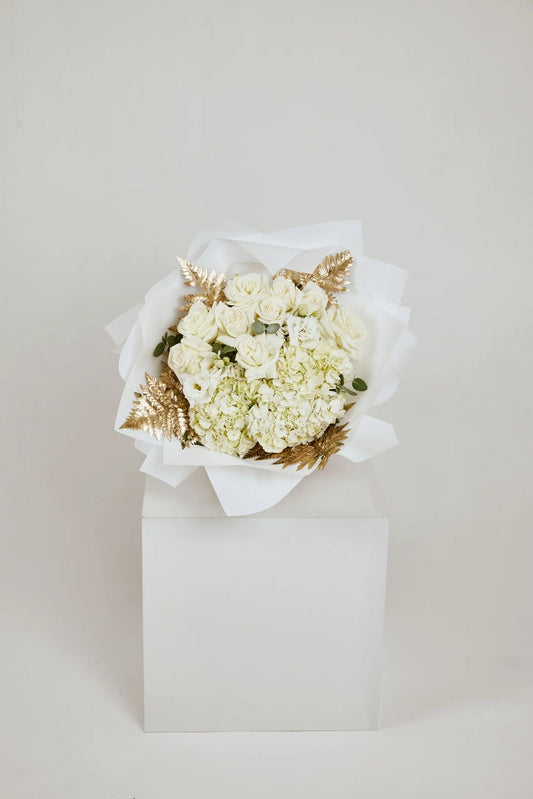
245,487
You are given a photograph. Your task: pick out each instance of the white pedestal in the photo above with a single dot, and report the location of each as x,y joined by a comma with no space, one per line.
264,622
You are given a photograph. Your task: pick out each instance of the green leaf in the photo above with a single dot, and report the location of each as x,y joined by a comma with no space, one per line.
359,384
217,346
258,328
341,379
273,328
159,349
226,350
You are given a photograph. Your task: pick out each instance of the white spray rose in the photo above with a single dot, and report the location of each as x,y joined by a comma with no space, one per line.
191,356
232,321
285,289
313,300
271,310
303,332
258,355
200,322
347,328
246,289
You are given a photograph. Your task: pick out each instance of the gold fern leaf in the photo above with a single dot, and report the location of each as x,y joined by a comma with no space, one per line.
211,284
298,278
306,455
332,274
161,409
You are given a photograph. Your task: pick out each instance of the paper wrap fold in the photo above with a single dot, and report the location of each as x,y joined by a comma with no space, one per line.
246,486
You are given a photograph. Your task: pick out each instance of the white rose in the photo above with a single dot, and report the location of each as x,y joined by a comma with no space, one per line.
200,322
303,332
258,355
191,356
313,300
285,289
246,289
232,321
271,310
347,328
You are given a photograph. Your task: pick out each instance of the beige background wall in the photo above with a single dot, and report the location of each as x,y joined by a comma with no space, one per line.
126,127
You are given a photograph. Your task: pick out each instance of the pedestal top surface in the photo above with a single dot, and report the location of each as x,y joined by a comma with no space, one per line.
343,489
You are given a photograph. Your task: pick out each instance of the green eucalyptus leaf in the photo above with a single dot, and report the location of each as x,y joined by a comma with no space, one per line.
273,328
258,328
359,384
341,379
159,349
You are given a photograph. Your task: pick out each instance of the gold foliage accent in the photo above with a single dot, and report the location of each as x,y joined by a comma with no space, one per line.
298,278
211,284
320,450
332,274
161,409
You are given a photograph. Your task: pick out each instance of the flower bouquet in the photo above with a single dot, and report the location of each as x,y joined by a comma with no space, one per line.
268,365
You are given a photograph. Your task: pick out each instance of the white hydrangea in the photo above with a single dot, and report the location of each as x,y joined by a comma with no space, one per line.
299,404
222,422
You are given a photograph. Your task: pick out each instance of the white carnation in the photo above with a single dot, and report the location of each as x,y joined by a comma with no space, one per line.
332,357
303,332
